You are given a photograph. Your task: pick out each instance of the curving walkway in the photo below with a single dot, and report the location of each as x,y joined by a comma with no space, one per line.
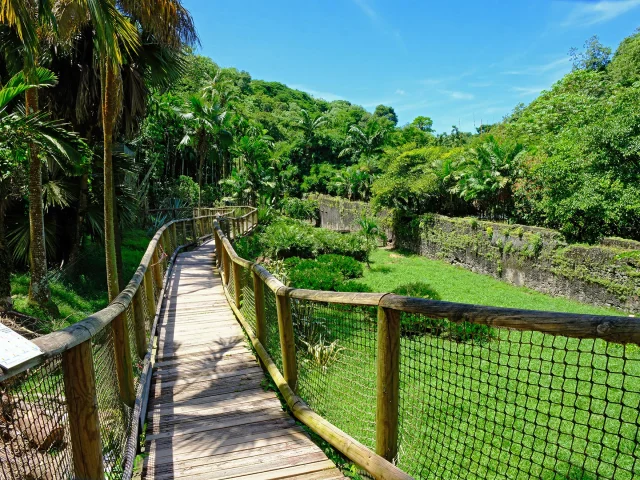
208,415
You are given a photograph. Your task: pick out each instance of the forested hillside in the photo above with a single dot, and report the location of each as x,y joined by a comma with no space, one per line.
191,133
570,160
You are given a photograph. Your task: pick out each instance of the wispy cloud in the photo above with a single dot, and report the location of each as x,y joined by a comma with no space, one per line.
400,92
527,91
456,95
586,13
558,64
328,96
379,22
481,84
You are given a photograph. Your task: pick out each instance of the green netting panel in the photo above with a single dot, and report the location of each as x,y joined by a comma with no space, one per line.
248,307
34,433
114,416
336,355
480,403
271,326
231,284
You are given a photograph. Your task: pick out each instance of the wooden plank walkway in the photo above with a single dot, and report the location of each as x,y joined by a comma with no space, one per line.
209,417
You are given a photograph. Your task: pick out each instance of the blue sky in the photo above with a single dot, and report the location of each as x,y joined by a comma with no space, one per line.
459,63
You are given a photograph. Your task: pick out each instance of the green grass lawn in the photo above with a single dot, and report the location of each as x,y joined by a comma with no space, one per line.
391,269
80,296
508,405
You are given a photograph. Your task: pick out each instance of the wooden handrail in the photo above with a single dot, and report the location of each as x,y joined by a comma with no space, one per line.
617,329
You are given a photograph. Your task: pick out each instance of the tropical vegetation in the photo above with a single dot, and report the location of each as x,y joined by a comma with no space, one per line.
107,113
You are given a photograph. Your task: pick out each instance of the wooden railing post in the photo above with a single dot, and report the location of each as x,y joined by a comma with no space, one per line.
234,228
124,365
174,236
258,292
184,232
194,230
237,283
218,242
140,324
225,265
82,407
388,384
148,290
287,343
157,270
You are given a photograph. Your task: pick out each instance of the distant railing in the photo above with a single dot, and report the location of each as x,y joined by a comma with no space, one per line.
445,390
76,410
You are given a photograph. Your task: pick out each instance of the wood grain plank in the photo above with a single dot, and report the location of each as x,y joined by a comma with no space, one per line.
208,415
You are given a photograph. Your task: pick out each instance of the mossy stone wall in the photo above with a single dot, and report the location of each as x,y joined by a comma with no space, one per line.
606,274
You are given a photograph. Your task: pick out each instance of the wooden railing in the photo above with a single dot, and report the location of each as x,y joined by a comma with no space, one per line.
499,360
95,374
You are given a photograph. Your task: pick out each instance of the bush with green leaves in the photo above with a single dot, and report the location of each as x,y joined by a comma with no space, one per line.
300,208
314,276
347,266
414,324
286,238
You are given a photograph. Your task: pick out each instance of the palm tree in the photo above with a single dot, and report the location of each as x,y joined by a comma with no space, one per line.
25,18
365,142
24,132
206,124
118,27
309,125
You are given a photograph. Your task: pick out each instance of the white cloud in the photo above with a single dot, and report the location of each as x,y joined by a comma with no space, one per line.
455,95
590,13
558,64
328,96
527,91
481,84
400,92
379,22
367,10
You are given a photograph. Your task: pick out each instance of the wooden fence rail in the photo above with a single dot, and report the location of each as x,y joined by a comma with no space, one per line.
83,354
379,464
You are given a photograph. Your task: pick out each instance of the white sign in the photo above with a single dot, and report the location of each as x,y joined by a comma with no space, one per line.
15,349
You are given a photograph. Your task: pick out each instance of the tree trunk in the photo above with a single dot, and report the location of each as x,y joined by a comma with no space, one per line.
109,110
6,303
39,286
83,204
118,235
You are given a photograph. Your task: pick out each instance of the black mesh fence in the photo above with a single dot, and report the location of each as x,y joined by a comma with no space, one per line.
271,326
231,282
336,356
248,303
34,433
479,403
114,416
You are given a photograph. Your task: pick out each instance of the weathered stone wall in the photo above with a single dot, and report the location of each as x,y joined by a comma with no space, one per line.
343,215
607,274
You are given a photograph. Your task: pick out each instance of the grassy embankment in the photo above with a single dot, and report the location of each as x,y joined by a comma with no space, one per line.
519,405
84,294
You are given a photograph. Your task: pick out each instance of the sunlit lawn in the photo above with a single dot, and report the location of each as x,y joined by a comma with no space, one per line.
520,405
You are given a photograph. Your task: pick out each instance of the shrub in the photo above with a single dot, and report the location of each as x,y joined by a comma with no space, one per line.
490,232
347,266
300,209
353,286
292,238
414,324
314,276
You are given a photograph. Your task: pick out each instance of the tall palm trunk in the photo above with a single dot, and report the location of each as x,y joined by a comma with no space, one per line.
83,204
109,110
5,264
39,286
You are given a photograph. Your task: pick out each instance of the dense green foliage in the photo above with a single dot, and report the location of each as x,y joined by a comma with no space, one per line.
191,132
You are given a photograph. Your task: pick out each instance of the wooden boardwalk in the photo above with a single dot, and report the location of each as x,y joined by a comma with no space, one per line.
208,416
